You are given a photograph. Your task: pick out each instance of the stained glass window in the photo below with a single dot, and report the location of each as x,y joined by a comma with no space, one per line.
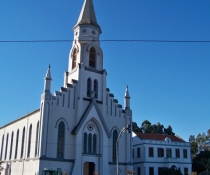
16,147
115,135
29,141
22,146
61,140
94,143
92,59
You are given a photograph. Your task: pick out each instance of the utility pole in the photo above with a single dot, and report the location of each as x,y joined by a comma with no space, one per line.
128,128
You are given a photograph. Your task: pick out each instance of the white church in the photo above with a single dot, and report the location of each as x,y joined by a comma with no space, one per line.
75,128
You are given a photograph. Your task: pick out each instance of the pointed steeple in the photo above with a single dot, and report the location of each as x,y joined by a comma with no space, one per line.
48,74
47,81
87,15
127,99
127,93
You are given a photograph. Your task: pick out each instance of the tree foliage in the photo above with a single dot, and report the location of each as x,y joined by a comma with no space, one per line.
170,171
200,143
201,162
148,127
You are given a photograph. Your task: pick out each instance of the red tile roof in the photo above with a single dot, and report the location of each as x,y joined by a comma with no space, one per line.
158,137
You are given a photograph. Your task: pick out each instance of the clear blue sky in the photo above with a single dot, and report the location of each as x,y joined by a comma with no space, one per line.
168,82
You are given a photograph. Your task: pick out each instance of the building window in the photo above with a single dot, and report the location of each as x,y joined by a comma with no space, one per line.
74,60
61,139
92,59
85,143
90,143
151,154
2,146
185,171
138,152
115,135
16,146
168,152
89,87
160,152
29,141
95,83
138,171
177,153
11,144
5,156
37,136
94,143
23,140
185,153
160,169
151,170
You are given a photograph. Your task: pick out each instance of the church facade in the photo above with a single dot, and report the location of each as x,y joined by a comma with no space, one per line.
75,128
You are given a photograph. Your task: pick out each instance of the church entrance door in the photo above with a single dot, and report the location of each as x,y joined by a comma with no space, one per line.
89,168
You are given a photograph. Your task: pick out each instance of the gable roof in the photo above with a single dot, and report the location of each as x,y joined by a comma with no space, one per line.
81,121
149,136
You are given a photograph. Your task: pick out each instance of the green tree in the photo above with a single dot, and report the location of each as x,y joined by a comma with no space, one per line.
136,127
146,126
201,162
169,131
170,171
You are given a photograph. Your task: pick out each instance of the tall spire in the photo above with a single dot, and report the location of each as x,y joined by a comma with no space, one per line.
127,99
48,74
87,15
47,81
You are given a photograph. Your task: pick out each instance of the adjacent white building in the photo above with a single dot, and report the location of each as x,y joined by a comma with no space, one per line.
75,128
152,152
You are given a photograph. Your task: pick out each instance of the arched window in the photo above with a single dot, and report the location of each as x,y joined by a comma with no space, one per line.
37,135
29,141
2,146
115,135
5,156
74,60
96,88
90,143
11,144
94,143
92,57
85,143
23,140
61,140
89,87
16,146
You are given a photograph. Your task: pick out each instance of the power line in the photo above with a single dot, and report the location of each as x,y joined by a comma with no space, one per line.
108,40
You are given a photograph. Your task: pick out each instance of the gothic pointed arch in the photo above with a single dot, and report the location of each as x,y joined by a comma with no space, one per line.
11,145
89,87
36,142
95,86
22,144
5,156
74,58
61,140
114,140
63,120
92,57
16,146
29,141
2,146
85,143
